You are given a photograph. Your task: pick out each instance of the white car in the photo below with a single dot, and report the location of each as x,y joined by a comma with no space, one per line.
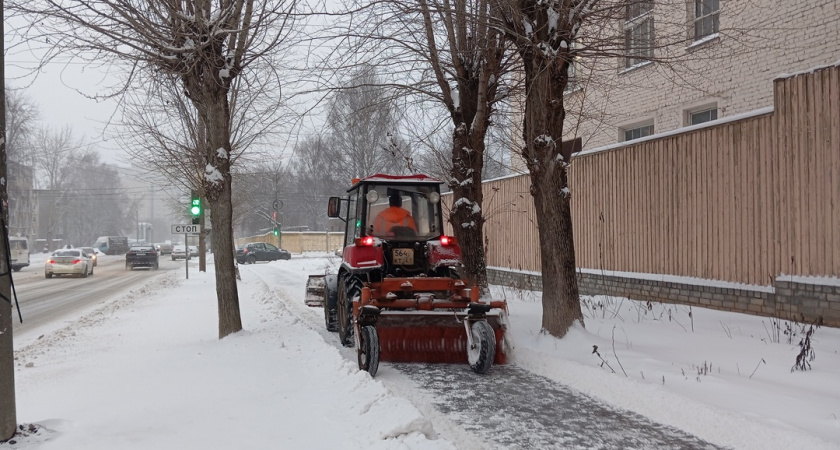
72,261
178,252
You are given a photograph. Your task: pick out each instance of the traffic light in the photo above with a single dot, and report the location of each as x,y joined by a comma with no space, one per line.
276,231
195,205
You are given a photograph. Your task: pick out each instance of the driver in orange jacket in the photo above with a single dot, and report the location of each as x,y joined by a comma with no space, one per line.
393,216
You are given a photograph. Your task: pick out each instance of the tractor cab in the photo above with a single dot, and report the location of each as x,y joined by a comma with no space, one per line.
420,218
394,226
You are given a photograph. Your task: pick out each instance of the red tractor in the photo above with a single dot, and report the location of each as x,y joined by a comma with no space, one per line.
398,295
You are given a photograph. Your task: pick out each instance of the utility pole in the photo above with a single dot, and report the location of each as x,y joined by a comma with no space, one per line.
8,413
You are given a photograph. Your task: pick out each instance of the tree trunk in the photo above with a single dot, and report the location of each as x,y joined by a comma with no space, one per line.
543,129
227,294
213,106
466,215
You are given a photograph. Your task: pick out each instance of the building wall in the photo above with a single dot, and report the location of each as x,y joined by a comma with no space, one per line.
759,40
22,205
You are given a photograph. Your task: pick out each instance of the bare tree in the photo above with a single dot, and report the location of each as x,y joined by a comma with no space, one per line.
362,123
21,115
96,204
55,152
205,45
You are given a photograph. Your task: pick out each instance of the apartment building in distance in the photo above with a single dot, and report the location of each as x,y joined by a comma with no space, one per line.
689,62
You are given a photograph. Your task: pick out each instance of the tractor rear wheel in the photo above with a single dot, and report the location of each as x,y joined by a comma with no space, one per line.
369,350
483,350
347,291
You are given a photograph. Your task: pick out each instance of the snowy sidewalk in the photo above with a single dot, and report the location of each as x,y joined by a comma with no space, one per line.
147,371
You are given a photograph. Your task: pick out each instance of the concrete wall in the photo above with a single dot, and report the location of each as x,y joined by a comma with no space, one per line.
792,299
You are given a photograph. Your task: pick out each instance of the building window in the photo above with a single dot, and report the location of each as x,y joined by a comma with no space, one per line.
638,132
638,32
574,74
705,115
706,18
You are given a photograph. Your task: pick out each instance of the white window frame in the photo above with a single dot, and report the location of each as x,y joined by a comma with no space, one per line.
692,113
706,19
638,33
637,127
573,73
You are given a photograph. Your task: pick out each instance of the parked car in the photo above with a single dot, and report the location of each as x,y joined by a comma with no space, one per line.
260,251
68,262
193,251
163,248
19,252
141,256
91,253
179,252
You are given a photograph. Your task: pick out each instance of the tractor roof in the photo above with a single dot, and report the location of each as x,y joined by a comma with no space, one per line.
381,178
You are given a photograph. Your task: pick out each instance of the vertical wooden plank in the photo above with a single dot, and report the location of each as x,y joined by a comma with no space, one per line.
780,232
787,257
833,106
705,222
800,179
818,168
813,177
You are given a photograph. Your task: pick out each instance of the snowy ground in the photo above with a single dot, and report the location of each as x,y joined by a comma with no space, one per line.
146,370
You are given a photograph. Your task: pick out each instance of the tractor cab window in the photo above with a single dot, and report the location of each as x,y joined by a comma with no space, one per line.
402,213
353,218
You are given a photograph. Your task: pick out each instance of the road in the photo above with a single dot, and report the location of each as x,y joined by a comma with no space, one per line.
44,301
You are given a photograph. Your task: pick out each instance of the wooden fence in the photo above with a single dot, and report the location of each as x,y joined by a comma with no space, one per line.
743,201
300,241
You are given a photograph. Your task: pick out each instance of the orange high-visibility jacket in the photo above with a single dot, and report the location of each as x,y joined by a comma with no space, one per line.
393,216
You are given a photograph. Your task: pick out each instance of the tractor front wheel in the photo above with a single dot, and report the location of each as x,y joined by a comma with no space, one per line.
369,350
481,353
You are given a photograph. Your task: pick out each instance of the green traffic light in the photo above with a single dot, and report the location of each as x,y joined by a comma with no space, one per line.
276,232
195,209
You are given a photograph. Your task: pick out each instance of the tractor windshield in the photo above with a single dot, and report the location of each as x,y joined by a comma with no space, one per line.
403,213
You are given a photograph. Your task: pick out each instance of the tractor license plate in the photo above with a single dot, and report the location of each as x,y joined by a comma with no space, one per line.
403,256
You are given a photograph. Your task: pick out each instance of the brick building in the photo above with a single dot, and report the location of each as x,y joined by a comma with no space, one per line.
712,60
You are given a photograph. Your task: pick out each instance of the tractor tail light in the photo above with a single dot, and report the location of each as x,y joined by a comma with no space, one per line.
366,241
448,240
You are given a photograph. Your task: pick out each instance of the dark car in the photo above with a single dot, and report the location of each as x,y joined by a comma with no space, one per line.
260,251
141,256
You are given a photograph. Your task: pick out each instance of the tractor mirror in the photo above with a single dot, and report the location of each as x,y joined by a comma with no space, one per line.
334,207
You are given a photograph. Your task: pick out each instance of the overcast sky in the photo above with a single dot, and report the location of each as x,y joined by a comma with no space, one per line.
56,92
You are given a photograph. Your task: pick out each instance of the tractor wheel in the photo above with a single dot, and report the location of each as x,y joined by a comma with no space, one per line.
480,355
369,350
330,313
346,294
